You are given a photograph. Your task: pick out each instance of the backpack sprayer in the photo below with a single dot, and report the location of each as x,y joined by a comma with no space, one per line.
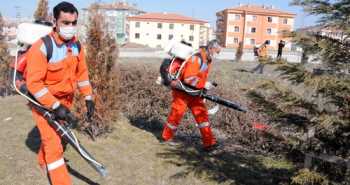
29,33
184,52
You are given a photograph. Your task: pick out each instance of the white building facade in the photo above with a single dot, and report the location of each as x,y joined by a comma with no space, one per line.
156,30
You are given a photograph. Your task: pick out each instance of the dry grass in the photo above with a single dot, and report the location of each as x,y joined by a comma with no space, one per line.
133,154
129,153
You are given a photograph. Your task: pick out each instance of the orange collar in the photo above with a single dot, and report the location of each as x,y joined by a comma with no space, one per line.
58,39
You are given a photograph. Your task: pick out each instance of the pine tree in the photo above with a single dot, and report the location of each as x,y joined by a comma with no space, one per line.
41,12
332,87
5,84
324,108
101,56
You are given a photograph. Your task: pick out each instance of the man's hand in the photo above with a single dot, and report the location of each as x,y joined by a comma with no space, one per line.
90,107
174,84
64,114
61,112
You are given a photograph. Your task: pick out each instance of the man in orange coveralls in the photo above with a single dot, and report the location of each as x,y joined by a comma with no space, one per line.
193,75
52,81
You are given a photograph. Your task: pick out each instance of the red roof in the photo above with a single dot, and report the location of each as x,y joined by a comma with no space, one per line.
115,6
268,10
166,17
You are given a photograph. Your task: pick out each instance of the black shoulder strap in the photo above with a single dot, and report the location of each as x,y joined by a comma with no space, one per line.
79,46
201,58
48,45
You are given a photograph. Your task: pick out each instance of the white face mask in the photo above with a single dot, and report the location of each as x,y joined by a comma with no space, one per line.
67,32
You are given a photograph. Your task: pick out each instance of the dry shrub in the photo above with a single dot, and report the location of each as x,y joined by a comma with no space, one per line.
5,83
147,105
307,177
145,102
101,57
41,13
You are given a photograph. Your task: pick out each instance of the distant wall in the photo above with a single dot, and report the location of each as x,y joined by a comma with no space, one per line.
226,54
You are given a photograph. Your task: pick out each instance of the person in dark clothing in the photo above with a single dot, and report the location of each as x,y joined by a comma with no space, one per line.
281,45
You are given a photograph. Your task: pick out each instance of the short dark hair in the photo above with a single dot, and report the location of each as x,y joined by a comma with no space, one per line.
64,7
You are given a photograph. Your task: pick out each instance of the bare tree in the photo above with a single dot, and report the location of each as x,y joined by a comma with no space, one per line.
41,12
101,56
5,58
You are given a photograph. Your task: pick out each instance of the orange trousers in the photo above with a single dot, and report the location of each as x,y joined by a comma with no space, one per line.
179,106
50,155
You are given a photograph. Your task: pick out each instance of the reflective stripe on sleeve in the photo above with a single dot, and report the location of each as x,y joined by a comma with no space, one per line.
83,83
41,93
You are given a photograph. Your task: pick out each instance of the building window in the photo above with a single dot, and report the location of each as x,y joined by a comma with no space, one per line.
137,24
236,29
191,38
159,37
268,42
269,31
191,27
269,19
120,35
252,41
255,17
237,17
285,21
137,35
171,26
171,37
253,30
235,40
160,25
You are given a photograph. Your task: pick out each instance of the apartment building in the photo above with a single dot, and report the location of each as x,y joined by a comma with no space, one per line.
253,25
115,14
156,30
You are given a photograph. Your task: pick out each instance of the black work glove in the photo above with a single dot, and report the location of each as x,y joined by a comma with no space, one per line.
23,88
90,107
64,114
175,85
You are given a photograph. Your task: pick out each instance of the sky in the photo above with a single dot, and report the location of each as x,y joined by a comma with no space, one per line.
200,9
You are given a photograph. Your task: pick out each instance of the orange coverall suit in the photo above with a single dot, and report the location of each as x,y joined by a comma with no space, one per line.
194,74
54,82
